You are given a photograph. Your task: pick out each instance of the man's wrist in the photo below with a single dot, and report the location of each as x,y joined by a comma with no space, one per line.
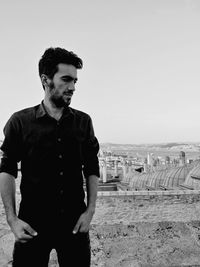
90,210
11,218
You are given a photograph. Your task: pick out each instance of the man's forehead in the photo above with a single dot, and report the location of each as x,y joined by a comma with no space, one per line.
67,69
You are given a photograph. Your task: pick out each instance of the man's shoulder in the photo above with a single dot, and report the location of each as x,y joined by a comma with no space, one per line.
80,113
25,112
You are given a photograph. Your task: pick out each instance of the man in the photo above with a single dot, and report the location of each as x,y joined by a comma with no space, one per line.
57,149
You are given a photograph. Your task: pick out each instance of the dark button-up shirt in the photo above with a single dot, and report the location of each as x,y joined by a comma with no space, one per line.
54,156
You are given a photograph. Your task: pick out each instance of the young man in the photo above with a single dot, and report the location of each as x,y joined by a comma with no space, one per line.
57,147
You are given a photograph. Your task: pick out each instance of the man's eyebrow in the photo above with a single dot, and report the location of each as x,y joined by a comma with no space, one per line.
70,77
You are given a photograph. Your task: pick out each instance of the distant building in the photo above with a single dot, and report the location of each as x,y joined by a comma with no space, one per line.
182,158
167,160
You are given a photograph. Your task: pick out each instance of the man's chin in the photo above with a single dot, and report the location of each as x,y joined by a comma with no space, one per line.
61,103
67,103
67,100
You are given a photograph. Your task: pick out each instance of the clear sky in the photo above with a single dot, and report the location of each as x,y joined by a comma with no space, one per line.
141,77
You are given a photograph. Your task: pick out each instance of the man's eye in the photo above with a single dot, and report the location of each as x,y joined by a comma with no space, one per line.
66,79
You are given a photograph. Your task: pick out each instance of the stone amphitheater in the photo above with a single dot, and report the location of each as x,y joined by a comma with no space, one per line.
152,219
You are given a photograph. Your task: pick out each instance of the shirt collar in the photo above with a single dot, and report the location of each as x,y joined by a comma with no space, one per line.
41,111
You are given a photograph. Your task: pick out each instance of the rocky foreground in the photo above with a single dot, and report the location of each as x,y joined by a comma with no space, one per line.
138,230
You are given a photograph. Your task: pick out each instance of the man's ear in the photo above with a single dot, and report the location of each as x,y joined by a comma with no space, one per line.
44,79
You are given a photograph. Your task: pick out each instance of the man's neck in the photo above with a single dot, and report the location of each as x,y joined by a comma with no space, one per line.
52,110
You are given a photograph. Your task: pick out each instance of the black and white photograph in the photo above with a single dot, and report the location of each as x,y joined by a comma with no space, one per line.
99,138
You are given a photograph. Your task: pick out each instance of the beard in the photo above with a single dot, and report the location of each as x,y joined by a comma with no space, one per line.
58,100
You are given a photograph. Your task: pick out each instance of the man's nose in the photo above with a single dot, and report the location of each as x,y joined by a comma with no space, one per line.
71,86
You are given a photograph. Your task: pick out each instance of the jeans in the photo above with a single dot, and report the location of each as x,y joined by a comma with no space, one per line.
72,250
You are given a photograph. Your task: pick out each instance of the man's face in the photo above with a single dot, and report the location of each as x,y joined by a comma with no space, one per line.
62,85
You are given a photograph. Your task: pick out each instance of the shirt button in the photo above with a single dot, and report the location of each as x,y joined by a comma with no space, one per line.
61,173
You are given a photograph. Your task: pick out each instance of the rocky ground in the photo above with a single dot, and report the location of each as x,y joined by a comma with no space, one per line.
147,231
135,231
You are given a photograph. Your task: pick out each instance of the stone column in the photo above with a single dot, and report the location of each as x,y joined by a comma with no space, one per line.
129,167
145,167
116,168
104,172
124,170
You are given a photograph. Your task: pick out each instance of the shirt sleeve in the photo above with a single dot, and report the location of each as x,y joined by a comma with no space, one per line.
11,149
90,152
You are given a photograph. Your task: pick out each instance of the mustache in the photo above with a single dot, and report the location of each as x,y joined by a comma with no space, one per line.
69,92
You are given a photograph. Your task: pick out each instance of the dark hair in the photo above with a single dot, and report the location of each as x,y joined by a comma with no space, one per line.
54,56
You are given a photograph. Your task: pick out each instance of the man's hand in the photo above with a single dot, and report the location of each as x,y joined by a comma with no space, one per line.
83,222
22,230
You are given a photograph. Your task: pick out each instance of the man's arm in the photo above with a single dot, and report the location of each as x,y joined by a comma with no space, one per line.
11,148
20,229
7,190
91,188
91,174
85,219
